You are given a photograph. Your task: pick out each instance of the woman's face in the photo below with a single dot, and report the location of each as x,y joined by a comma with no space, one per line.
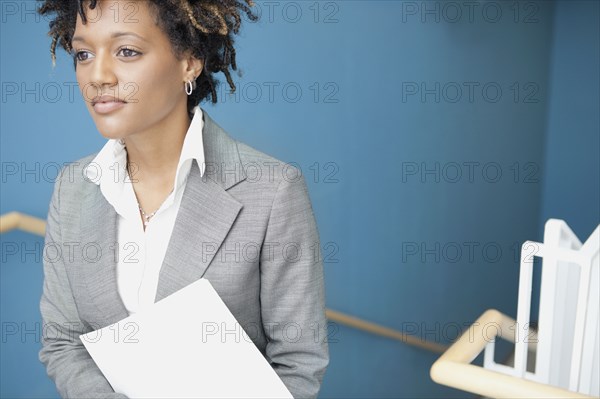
122,53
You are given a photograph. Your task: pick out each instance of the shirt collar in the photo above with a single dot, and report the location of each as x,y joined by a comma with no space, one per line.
108,168
193,146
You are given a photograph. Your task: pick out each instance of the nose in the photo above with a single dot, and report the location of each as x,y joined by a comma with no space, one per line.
102,75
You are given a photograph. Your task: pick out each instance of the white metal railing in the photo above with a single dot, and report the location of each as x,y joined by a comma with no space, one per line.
566,344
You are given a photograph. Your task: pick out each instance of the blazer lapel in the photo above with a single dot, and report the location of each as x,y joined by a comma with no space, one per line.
98,224
206,214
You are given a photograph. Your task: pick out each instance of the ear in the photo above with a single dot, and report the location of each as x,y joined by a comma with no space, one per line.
192,66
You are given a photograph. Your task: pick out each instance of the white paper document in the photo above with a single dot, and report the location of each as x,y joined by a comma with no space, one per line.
188,345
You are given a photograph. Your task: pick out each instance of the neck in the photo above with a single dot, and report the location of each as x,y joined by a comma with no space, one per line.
152,155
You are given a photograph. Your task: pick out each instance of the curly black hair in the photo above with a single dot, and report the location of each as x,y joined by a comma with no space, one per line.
204,27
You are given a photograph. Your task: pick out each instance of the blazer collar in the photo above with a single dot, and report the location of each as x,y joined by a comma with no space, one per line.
205,216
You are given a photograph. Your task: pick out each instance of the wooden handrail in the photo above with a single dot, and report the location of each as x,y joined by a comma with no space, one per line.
16,220
376,329
454,368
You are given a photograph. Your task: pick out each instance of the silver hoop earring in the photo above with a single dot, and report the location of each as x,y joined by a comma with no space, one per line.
191,87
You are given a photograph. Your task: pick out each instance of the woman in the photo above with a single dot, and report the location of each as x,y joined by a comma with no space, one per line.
171,197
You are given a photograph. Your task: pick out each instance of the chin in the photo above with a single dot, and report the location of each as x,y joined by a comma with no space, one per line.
111,136
111,132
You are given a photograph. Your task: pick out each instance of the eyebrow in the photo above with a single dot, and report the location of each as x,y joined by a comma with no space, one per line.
113,36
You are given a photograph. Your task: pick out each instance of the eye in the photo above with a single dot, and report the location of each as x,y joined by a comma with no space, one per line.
83,55
129,52
78,54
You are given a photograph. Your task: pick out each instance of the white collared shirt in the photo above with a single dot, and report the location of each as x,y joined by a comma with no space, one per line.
141,253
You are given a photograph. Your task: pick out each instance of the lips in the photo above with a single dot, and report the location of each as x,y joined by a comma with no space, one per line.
106,104
106,99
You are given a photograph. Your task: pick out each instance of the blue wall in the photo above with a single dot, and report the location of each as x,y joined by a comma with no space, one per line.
572,156
422,198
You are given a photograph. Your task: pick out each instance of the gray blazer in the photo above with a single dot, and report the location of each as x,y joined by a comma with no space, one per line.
247,226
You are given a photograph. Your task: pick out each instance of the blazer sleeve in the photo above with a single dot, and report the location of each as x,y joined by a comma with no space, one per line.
293,292
67,362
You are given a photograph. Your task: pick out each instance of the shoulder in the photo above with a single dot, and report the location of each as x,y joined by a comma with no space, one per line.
264,177
227,155
72,181
252,157
78,165
267,168
282,184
